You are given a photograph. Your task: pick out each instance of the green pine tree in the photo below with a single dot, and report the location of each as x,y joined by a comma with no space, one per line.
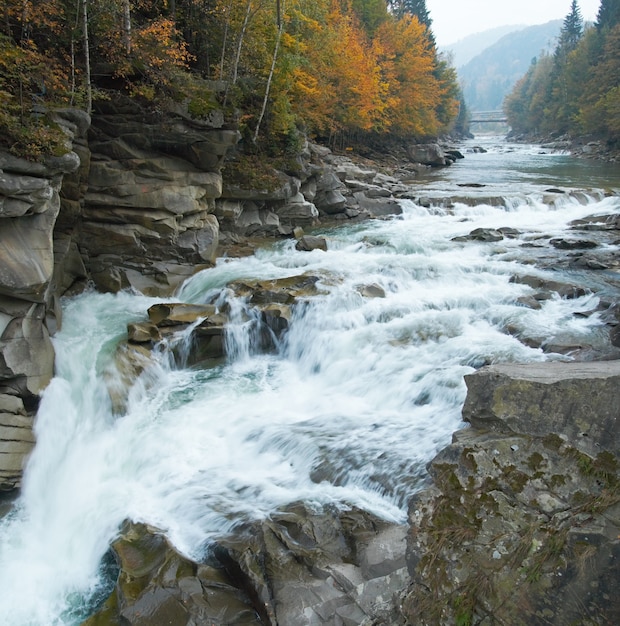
608,14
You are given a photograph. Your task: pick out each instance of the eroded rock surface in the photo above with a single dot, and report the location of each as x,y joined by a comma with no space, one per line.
30,285
301,566
522,525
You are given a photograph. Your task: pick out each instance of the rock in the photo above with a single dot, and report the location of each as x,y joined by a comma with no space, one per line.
158,587
378,207
177,313
572,244
143,332
300,566
371,291
329,198
457,154
522,524
481,234
307,243
26,353
427,154
576,399
297,212
350,172
150,195
278,291
319,567
564,290
16,440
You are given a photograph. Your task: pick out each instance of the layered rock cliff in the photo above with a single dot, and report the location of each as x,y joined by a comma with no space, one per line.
35,269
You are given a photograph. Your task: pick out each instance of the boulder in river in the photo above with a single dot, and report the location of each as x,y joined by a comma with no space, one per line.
301,566
428,154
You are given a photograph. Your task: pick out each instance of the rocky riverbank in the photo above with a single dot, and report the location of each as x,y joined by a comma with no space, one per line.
522,515
521,525
139,202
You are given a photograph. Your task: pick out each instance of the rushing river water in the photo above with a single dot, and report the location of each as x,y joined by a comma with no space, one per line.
349,409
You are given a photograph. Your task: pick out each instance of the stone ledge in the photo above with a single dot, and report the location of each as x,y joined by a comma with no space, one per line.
579,401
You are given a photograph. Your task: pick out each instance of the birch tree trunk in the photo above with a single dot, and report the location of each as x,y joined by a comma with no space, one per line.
233,81
280,22
127,26
89,91
225,39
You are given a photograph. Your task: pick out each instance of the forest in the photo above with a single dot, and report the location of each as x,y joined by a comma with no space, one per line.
279,69
576,89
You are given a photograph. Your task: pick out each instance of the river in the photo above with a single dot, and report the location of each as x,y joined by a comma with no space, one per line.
351,406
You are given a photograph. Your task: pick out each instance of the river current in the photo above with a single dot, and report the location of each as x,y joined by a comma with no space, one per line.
357,398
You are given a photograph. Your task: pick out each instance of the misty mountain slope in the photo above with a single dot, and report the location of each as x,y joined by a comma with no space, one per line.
464,50
490,76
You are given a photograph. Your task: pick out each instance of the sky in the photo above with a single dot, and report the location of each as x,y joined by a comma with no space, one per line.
455,19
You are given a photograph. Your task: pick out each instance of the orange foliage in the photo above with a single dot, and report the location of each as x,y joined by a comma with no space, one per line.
341,86
408,61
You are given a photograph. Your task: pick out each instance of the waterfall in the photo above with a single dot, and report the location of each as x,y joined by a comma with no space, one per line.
347,408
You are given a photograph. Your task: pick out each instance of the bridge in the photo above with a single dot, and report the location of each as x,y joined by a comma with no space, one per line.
480,117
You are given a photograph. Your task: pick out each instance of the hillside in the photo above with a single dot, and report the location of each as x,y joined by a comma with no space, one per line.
490,76
464,50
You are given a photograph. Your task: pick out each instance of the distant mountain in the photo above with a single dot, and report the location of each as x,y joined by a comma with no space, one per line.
467,48
489,77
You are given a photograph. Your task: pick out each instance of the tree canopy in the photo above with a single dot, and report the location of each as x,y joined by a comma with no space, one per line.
276,67
577,89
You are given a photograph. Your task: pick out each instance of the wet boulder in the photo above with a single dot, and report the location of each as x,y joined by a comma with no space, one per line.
428,154
573,244
307,243
311,567
279,290
481,234
157,586
545,287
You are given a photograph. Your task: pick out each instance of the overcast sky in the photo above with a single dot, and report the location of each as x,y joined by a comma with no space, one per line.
455,19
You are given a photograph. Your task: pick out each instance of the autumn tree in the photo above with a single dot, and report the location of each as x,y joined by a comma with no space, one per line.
600,100
408,65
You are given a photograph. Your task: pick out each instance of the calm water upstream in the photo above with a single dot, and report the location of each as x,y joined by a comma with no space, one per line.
360,395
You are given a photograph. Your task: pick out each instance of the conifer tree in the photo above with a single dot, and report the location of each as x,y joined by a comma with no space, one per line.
608,14
572,30
412,7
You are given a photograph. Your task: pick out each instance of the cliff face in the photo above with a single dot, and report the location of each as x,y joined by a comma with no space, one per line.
34,270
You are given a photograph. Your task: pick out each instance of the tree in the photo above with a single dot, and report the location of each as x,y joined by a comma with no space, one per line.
412,7
280,23
371,13
600,99
409,68
571,32
608,14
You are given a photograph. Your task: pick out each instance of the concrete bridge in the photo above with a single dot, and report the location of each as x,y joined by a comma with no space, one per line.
480,117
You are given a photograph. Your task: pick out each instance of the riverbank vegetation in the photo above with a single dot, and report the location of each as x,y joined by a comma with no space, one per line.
276,68
575,90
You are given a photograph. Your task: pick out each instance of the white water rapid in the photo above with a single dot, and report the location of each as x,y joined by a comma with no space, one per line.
356,400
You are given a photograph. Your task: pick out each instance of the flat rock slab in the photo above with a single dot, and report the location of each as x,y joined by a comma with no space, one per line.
580,401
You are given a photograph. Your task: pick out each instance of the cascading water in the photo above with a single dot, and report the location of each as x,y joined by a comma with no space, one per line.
348,408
